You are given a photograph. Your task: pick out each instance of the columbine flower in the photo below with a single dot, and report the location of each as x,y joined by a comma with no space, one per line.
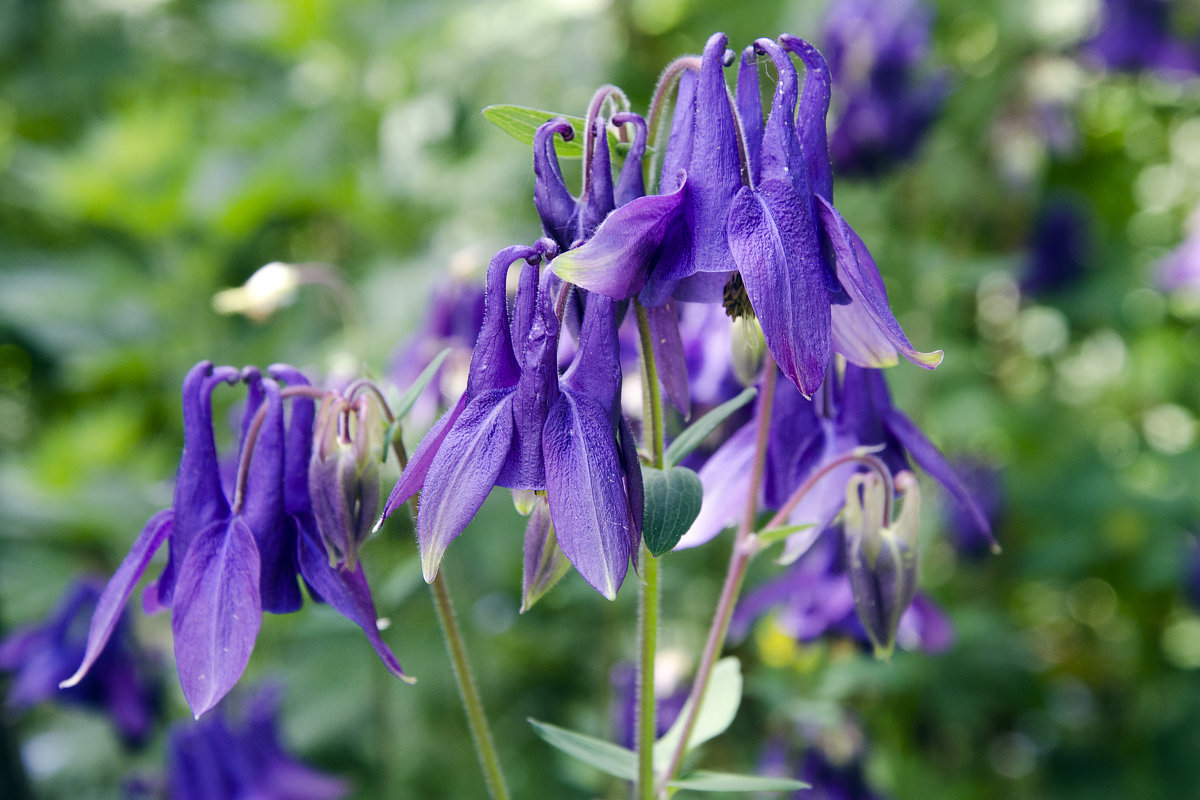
809,438
122,683
875,49
814,599
221,758
1137,34
522,427
234,551
757,199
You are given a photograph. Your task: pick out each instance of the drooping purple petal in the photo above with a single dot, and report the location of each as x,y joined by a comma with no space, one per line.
598,202
587,503
413,476
554,202
631,184
862,281
120,586
749,108
821,504
779,260
217,612
925,626
811,113
930,459
263,511
462,474
199,499
616,260
726,481
344,589
669,355
714,170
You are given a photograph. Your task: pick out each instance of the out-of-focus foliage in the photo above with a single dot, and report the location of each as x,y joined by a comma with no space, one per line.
153,152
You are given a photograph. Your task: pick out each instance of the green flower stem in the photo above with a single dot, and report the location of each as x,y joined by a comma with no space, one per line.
481,734
744,548
648,596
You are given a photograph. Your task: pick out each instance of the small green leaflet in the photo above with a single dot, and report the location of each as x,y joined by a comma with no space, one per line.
705,781
607,757
773,535
721,701
699,430
405,404
521,122
673,498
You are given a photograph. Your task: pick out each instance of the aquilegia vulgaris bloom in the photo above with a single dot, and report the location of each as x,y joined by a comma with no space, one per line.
235,550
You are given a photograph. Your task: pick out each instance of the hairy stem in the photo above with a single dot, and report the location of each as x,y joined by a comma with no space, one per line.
743,551
648,596
481,734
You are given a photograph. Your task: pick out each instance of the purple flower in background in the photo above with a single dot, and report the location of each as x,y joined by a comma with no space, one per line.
1059,248
814,599
521,426
833,781
1179,271
828,756
235,549
452,322
808,437
985,483
875,50
123,683
220,758
669,701
1138,35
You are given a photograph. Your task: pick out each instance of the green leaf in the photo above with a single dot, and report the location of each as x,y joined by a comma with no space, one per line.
405,404
521,123
673,499
699,430
607,757
704,781
772,535
721,702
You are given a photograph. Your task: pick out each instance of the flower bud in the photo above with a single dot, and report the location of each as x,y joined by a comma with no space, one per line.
881,558
343,475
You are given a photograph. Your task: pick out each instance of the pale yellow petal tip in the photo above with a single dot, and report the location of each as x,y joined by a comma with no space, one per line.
429,567
928,360
71,681
409,679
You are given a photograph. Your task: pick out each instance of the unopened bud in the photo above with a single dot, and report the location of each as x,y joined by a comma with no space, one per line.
343,475
270,288
881,555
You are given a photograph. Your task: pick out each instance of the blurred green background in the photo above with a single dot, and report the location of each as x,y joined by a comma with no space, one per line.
154,152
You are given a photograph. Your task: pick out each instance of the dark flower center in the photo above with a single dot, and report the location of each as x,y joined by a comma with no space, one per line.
735,300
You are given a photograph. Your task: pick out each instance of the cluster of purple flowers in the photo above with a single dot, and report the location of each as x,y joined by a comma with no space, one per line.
240,545
1139,35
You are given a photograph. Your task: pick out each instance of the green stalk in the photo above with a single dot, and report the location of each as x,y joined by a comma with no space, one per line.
468,692
744,548
648,596
481,734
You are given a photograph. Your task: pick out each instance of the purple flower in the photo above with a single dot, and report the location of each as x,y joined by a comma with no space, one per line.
235,551
220,758
1137,35
808,438
830,761
814,599
453,321
521,426
833,781
875,49
1179,271
123,682
1058,248
755,198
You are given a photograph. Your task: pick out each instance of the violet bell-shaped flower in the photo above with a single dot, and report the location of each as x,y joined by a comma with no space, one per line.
815,442
222,757
123,683
235,551
522,427
797,261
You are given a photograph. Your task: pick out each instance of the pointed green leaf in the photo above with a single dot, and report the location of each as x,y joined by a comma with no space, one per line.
406,401
705,781
720,706
521,123
772,535
699,430
607,757
673,499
